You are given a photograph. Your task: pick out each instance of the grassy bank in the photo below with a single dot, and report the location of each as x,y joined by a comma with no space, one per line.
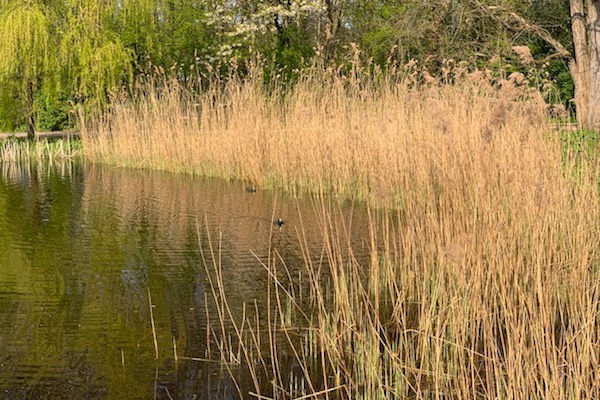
484,272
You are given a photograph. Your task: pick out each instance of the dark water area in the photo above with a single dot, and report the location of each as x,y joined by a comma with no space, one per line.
80,248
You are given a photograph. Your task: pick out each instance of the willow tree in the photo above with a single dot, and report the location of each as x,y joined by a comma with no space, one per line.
69,47
24,54
93,61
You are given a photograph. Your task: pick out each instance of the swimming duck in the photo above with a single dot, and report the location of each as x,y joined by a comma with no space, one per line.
250,189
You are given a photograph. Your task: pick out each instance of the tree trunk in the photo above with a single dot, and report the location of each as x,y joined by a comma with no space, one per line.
29,112
580,66
332,22
593,117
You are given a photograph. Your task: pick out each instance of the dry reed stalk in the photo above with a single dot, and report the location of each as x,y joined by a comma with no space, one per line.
514,315
153,326
175,350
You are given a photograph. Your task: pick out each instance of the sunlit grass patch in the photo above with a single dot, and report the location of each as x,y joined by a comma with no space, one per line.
14,150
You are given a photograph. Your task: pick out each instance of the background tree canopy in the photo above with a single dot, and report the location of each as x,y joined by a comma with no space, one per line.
59,54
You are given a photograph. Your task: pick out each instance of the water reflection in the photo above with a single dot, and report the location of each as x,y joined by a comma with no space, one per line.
81,245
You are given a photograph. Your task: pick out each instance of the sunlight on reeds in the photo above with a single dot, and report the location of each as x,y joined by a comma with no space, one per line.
372,137
484,275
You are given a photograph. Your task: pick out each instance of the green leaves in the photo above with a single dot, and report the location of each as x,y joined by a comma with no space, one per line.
99,65
61,54
24,48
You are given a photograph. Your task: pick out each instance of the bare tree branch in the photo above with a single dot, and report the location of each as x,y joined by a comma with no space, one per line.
512,21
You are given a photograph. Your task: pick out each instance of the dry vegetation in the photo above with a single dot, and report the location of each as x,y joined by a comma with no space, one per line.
484,279
371,137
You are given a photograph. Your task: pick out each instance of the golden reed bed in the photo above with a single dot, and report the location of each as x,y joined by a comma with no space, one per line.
484,280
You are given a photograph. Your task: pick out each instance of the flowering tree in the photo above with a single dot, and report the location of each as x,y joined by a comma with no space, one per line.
246,25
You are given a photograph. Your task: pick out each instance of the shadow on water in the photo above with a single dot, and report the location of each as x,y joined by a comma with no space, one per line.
81,245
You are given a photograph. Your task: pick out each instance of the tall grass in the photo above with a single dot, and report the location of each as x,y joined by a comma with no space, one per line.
501,300
24,151
363,136
484,272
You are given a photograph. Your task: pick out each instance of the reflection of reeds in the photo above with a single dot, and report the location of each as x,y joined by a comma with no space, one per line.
18,169
170,204
150,305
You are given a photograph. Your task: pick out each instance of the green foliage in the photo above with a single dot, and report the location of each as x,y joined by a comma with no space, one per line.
165,33
60,54
290,53
10,116
379,42
580,142
52,112
24,48
563,80
101,65
24,58
92,58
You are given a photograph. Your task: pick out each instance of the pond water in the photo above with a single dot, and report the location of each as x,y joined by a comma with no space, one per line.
82,246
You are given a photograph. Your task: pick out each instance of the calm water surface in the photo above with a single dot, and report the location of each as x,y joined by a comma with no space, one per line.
80,246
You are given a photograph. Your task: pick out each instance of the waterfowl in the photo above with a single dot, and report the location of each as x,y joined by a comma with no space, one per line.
250,189
279,222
